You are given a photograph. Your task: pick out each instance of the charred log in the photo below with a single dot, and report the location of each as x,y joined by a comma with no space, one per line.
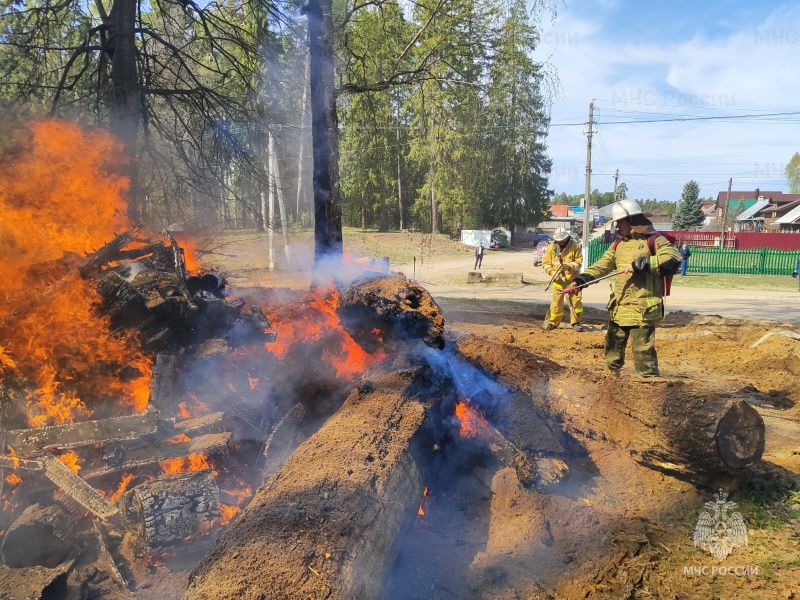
329,531
41,536
390,307
657,423
165,512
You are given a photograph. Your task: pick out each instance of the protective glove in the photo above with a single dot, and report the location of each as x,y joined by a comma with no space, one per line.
582,279
641,264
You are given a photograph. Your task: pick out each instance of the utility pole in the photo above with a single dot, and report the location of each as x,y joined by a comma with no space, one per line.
725,213
588,190
616,178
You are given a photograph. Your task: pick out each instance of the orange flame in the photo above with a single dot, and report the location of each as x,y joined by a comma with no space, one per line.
196,461
318,322
226,513
13,456
71,459
60,200
472,421
189,247
123,485
12,479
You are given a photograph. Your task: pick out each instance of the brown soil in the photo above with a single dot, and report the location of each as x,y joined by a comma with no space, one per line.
612,528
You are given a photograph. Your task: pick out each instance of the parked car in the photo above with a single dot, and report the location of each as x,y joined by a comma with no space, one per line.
538,252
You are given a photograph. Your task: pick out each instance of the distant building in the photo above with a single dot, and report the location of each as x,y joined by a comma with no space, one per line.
773,205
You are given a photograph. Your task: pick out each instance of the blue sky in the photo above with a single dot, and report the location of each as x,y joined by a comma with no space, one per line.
649,61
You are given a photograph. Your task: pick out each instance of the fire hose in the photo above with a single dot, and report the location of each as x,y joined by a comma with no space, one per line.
592,282
553,278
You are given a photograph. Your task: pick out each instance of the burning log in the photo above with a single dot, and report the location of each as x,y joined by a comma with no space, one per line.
376,309
73,435
699,439
41,536
328,530
165,512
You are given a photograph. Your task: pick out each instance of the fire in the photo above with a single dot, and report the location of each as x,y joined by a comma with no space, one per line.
123,485
13,456
421,510
318,323
60,199
71,459
12,479
188,245
471,419
226,513
196,461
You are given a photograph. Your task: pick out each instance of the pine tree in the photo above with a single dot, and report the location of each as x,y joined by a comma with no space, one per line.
688,213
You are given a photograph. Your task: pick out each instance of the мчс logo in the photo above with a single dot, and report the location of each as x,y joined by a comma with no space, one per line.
720,532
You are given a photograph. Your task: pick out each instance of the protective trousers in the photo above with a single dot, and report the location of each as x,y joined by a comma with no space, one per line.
643,345
556,313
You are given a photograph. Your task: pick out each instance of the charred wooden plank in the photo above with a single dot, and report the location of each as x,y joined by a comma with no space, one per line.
135,253
279,442
107,253
179,264
166,511
119,569
8,462
198,423
77,489
207,444
73,435
161,384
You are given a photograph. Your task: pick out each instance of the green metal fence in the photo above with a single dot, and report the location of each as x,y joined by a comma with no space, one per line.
758,261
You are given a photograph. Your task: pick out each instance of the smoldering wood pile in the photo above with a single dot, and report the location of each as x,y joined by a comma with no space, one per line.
185,319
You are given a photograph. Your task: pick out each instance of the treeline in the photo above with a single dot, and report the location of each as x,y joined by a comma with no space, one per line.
443,113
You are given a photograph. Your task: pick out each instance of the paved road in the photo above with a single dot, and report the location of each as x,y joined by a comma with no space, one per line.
781,307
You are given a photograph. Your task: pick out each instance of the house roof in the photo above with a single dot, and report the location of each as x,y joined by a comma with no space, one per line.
791,217
779,208
559,210
752,195
749,213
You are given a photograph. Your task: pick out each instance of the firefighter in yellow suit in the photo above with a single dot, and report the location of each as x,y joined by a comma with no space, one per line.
636,304
563,255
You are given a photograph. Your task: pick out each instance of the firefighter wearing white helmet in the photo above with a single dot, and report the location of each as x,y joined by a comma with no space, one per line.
562,260
642,259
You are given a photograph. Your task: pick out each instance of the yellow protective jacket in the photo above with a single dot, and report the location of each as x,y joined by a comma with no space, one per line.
636,298
572,260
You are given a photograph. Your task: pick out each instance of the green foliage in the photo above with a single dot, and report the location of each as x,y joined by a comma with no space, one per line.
688,213
793,173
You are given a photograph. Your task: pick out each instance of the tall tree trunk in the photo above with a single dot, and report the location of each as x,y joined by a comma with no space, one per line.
384,223
301,192
400,183
127,98
324,134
